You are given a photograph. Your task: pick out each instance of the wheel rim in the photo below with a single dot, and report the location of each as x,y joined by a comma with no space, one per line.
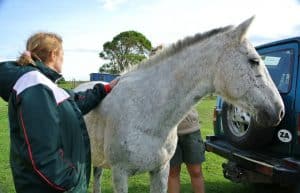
238,121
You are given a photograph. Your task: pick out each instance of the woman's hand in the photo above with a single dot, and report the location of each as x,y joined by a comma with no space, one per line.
114,82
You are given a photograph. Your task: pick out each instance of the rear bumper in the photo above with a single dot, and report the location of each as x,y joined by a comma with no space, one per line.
276,169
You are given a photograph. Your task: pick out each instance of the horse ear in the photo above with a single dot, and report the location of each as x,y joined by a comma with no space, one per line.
240,31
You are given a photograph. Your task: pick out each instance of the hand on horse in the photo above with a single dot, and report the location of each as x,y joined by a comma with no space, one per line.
114,82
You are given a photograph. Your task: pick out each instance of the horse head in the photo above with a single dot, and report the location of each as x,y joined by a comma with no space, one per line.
243,79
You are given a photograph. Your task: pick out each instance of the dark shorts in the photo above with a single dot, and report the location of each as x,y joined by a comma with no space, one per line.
190,149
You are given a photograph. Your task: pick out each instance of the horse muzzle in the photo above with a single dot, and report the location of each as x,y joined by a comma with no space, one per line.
272,116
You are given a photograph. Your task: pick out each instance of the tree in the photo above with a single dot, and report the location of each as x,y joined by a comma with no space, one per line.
125,50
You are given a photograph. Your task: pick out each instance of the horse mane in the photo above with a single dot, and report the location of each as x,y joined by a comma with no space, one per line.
178,46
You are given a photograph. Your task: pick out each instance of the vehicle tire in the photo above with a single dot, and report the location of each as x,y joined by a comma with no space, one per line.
242,130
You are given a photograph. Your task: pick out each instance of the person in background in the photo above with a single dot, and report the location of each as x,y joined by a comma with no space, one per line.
190,150
50,147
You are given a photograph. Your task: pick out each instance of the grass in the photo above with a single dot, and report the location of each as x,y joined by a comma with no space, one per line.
6,184
214,180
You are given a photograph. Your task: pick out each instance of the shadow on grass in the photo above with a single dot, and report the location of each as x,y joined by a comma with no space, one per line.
210,187
132,188
230,187
216,187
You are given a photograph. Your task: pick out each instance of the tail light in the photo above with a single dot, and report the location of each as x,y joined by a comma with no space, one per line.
265,169
215,118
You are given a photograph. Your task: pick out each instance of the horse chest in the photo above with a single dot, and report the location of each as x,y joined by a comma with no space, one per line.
141,151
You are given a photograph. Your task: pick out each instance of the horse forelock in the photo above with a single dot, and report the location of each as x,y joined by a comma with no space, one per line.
180,45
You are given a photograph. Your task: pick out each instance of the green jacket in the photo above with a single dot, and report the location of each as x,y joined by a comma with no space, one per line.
50,147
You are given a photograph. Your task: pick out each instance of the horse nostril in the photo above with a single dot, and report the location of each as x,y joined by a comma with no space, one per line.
281,114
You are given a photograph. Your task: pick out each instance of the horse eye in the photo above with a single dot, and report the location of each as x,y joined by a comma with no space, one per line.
254,61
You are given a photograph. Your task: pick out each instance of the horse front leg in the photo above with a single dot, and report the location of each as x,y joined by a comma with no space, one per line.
119,179
97,179
159,179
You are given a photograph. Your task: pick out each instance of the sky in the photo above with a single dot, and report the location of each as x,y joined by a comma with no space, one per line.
85,25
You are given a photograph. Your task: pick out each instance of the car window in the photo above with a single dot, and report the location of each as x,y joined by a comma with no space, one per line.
279,65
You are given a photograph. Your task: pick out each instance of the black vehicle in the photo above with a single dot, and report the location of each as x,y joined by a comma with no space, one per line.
263,155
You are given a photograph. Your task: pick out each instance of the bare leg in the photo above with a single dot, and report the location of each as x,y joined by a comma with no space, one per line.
197,180
120,180
97,179
174,179
159,179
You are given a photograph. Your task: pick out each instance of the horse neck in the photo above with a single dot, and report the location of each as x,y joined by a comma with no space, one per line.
186,77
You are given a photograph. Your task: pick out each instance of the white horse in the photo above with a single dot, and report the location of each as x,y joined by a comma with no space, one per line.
133,130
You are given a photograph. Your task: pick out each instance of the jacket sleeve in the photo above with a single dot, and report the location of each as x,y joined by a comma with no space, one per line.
90,98
40,125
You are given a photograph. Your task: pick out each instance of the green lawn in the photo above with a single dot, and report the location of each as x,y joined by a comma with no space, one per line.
6,184
214,180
